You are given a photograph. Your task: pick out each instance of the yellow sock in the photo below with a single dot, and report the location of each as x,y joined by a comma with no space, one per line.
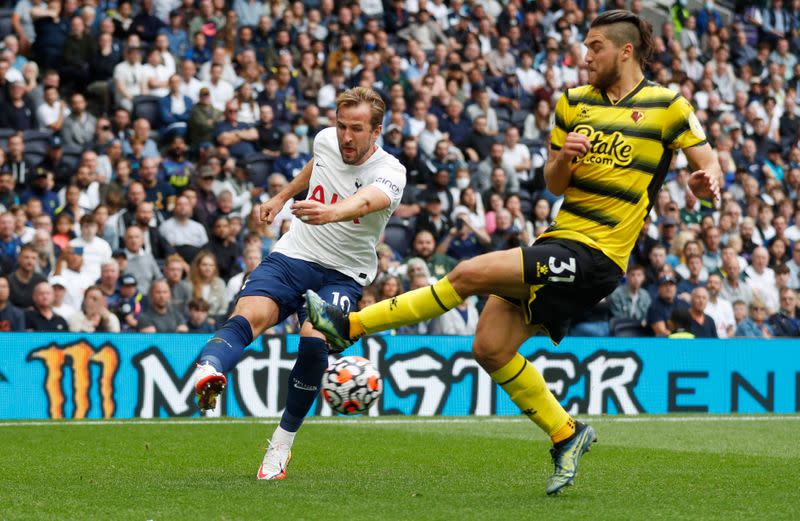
528,390
406,309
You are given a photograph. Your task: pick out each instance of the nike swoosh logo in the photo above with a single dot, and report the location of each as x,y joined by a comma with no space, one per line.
261,475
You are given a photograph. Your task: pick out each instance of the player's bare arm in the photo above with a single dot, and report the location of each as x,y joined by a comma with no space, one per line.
270,209
704,180
558,170
368,200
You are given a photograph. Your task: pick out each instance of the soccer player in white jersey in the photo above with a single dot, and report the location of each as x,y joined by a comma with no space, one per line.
353,187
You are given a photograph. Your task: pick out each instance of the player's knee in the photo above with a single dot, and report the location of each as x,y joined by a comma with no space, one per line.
486,353
465,277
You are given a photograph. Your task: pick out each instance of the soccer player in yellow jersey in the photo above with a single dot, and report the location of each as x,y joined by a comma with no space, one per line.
610,150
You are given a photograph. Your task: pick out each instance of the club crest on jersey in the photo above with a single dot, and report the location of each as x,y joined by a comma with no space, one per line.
583,111
637,116
358,184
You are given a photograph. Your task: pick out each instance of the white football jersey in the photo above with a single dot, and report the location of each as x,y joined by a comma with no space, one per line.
347,247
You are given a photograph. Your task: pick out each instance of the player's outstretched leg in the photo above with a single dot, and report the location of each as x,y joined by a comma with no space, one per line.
498,272
501,332
304,383
221,354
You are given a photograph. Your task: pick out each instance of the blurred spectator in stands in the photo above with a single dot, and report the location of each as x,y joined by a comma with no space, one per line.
785,322
10,243
183,233
129,77
486,168
79,49
96,251
175,108
202,118
79,126
73,274
432,216
21,169
464,241
129,305
252,258
8,194
221,91
430,136
224,247
269,136
478,144
679,324
160,315
755,325
702,325
160,193
198,317
64,229
206,283
94,315
424,247
662,306
389,286
176,168
175,267
50,115
694,266
719,308
712,259
734,285
44,246
455,124
109,282
18,113
12,318
761,278
51,25
506,233
41,317
239,138
141,264
60,304
461,320
483,108
206,205
630,301
291,160
146,218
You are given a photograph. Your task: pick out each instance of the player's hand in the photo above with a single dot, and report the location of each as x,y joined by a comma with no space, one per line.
704,185
313,212
269,210
575,145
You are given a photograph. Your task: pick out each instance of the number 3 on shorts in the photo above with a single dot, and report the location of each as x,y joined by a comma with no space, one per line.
558,267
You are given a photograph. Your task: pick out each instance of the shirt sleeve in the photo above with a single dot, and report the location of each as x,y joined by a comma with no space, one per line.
681,127
561,125
392,181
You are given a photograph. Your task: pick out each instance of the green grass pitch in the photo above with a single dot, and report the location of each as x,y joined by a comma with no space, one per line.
696,468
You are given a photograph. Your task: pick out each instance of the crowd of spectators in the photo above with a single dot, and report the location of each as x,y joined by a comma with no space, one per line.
138,139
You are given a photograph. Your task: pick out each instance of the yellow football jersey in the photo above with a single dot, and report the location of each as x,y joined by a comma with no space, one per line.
615,184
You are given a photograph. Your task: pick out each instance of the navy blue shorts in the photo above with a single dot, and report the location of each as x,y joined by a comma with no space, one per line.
285,280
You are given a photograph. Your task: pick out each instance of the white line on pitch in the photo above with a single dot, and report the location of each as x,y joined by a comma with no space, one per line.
362,422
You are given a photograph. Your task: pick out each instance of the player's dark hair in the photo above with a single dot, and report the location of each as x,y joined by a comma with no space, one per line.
623,27
680,318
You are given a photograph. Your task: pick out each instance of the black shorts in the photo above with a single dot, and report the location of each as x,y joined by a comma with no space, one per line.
566,278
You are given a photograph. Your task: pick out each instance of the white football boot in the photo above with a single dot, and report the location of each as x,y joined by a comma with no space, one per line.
273,466
210,384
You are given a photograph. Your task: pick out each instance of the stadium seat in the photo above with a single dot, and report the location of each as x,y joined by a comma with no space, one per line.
398,237
6,133
37,141
72,156
5,22
147,107
34,157
626,327
259,167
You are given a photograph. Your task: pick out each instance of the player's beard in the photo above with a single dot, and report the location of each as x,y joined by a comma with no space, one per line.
359,154
603,79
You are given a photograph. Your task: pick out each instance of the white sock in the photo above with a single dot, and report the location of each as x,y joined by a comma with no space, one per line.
282,436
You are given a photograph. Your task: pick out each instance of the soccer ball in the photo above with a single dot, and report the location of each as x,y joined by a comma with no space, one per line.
351,385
